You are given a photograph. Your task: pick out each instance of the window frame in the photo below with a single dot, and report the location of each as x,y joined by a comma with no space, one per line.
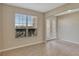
26,27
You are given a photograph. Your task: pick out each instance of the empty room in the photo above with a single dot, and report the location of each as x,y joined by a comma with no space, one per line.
39,29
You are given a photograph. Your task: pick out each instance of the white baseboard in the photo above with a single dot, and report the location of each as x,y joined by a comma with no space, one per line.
71,41
20,46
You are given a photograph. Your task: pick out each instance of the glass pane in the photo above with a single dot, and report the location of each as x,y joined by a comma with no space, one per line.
24,20
17,20
20,20
30,21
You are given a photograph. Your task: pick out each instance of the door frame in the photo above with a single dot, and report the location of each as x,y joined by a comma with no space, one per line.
56,18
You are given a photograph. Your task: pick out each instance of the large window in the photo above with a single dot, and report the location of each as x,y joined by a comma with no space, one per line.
25,25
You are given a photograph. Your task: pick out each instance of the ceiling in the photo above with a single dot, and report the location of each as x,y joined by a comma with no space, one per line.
41,7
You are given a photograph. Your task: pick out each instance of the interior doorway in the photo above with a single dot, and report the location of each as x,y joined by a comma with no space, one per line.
50,28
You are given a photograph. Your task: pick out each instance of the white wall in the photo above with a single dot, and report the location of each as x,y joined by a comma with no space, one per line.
68,27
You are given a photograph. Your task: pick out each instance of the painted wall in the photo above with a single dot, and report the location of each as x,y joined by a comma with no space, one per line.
9,27
68,27
1,42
